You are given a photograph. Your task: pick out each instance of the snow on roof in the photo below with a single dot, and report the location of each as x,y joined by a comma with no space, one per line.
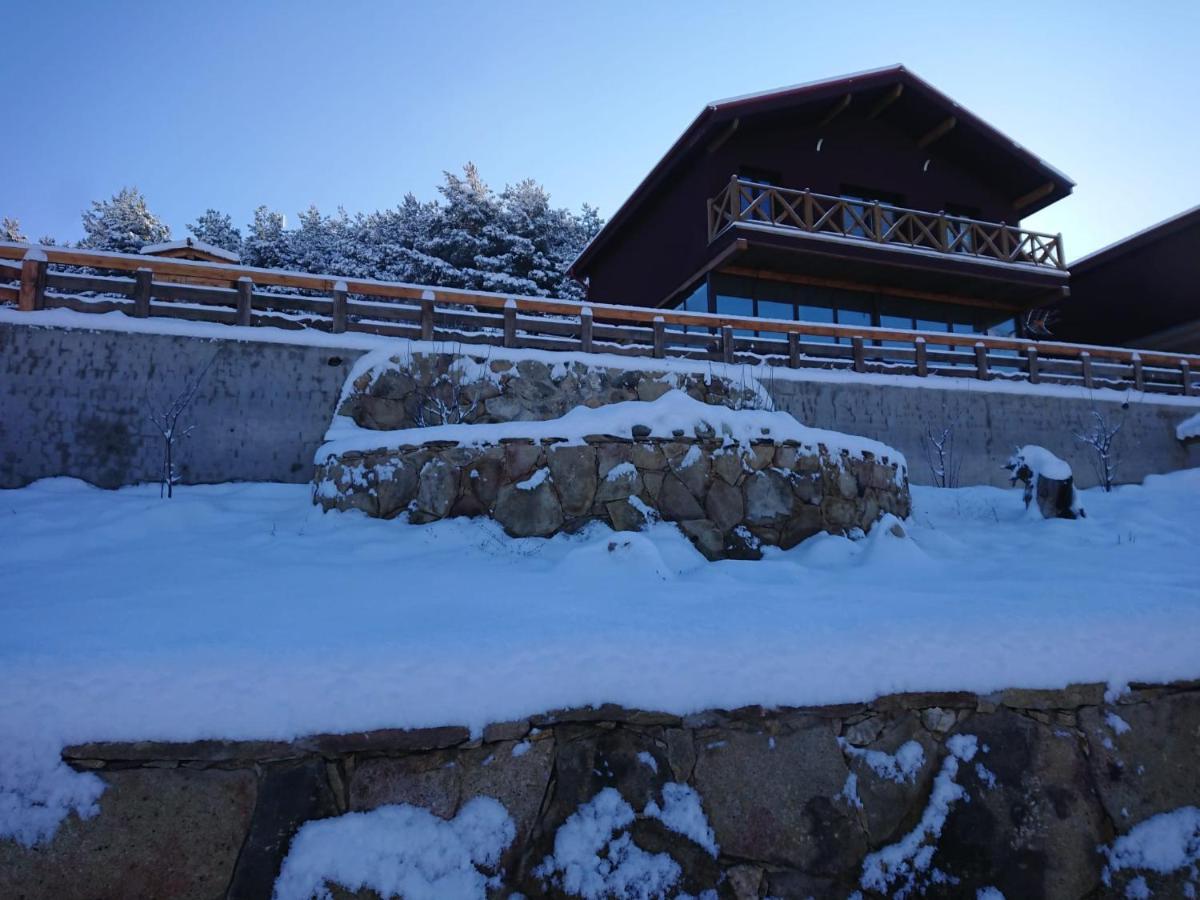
191,244
1149,229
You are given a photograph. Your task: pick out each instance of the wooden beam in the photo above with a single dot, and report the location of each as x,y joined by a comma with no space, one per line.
938,131
1033,196
836,110
885,101
725,135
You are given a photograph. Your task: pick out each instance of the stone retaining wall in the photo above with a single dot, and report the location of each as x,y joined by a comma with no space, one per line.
728,499
798,799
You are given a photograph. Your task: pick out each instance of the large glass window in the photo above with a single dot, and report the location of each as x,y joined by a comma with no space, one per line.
822,314
853,318
898,322
736,306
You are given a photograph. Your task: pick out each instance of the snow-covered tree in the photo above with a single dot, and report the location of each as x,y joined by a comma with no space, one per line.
266,243
217,228
123,224
10,230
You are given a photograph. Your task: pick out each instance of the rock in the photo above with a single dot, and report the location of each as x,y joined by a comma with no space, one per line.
1072,696
744,881
699,870
289,795
520,459
648,457
706,537
768,498
1150,768
485,476
624,516
505,731
690,466
437,488
396,486
529,512
803,523
431,781
650,390
890,806
159,833
516,774
681,753
862,733
1033,820
641,431
724,505
771,799
574,472
618,484
937,719
675,501
728,465
386,740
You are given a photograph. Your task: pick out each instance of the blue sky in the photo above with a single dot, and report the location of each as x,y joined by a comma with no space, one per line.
354,103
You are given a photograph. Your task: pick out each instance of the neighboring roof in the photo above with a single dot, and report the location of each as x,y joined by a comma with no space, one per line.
720,113
191,244
1138,240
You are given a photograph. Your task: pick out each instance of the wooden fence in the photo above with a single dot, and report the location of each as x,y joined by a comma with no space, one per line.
141,286
755,203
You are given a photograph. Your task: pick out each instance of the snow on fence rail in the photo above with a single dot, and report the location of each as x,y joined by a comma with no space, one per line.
52,277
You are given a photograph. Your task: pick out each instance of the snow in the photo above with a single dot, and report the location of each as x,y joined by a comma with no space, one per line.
1188,428
1116,723
241,611
1164,843
648,760
683,813
988,893
118,321
533,481
595,857
903,766
849,791
671,414
909,860
398,851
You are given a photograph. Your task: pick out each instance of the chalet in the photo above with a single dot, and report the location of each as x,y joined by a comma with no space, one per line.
872,199
190,248
1138,292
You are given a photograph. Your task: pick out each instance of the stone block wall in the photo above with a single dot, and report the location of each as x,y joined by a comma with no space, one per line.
729,499
1028,787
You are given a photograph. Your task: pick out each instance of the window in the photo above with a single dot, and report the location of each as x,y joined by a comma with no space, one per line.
763,210
736,306
852,317
858,214
775,309
821,314
958,234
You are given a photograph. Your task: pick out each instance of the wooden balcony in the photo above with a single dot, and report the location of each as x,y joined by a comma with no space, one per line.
755,205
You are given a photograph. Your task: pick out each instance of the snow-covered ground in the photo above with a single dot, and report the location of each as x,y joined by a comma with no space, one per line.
241,611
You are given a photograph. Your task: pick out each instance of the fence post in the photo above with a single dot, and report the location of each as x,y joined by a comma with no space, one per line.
860,358
1139,377
32,295
660,337
338,315
808,210
1185,372
1085,361
142,280
793,350
1031,354
510,322
727,343
427,315
877,221
922,357
245,290
981,363
585,329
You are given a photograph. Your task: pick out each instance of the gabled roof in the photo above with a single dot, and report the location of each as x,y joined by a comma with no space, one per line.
972,138
190,243
1138,240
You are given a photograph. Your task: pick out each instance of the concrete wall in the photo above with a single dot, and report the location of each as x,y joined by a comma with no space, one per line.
989,425
76,402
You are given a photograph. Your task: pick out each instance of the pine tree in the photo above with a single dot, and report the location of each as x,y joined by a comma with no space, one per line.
10,230
266,243
217,228
122,224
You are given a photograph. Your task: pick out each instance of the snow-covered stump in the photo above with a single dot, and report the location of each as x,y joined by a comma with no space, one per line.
1048,480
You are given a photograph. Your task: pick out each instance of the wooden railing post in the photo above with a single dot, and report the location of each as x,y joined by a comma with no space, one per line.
793,340
585,329
1139,377
981,361
427,315
1085,362
877,221
510,322
660,337
1061,262
1005,243
942,237
32,295
337,322
735,199
727,343
922,357
808,210
1185,372
142,281
860,357
245,292
1031,354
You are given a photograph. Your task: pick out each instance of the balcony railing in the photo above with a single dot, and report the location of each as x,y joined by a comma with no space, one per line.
745,202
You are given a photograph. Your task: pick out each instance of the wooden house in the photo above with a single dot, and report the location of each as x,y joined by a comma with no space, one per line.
871,199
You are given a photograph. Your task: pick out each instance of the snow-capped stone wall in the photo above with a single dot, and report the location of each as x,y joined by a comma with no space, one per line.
1073,793
733,480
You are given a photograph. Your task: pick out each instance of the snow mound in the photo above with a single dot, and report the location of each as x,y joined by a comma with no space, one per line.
399,851
1188,428
1164,843
1041,462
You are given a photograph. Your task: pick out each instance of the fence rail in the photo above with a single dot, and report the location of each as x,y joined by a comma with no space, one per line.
756,203
50,278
